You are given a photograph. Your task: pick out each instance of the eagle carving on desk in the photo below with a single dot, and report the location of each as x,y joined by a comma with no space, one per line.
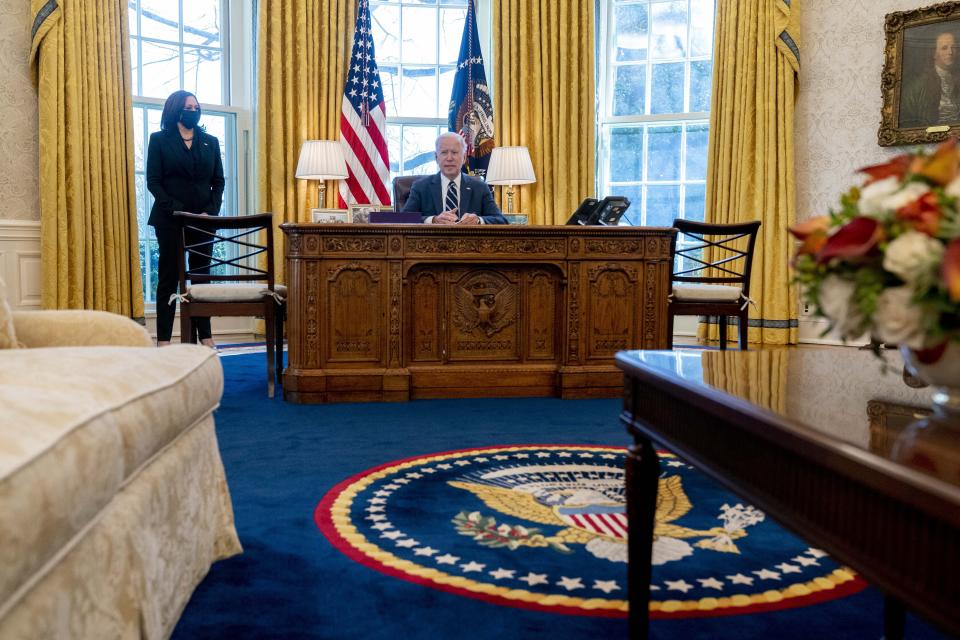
485,308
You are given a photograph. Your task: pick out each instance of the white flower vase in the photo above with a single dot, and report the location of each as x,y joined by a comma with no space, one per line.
943,374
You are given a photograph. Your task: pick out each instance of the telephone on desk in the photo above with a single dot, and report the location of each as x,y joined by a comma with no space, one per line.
606,212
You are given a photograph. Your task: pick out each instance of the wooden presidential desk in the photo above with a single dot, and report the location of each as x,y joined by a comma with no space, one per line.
395,312
823,441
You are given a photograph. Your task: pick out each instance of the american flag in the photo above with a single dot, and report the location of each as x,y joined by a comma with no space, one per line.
363,122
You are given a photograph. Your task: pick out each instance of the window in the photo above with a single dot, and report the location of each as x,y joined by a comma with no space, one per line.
654,107
417,43
184,44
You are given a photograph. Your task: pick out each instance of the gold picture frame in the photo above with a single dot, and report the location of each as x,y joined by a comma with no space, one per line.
921,60
329,216
360,213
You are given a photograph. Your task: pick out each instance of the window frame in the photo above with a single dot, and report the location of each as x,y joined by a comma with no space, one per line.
237,78
607,122
398,122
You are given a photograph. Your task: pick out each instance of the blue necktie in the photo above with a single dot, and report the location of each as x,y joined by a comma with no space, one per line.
451,201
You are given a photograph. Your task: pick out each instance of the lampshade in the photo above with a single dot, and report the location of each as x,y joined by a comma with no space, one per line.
321,160
510,165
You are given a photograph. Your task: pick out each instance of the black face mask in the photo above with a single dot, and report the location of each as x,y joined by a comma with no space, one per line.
189,119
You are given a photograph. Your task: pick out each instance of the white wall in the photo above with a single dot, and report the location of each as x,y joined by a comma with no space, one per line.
838,110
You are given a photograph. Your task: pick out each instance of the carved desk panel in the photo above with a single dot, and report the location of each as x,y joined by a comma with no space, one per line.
394,312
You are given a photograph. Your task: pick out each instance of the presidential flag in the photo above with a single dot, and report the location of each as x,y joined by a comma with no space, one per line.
471,109
363,123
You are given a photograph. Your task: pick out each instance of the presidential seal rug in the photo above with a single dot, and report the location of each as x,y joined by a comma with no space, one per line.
545,528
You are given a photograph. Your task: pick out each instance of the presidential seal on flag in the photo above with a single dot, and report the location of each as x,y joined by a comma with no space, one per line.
471,109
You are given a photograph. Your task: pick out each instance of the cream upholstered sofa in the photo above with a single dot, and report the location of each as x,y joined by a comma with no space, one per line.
113,499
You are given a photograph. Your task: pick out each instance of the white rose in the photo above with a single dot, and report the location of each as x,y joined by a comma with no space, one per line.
953,189
874,193
898,320
913,255
910,193
836,302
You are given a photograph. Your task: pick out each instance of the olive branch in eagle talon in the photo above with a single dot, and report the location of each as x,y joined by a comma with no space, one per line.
487,533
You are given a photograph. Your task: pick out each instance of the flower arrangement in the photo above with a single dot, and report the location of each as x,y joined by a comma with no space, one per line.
888,262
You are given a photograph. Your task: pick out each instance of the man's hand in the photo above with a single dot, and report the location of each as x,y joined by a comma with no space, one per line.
447,217
470,218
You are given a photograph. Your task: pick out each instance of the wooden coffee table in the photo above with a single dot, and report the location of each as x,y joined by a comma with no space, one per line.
790,431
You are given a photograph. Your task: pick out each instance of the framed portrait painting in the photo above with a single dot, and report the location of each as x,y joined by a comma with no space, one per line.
921,76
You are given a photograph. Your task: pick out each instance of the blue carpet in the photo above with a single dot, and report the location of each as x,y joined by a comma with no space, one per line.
290,582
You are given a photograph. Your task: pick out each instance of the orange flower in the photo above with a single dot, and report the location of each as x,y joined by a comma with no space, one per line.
897,166
812,232
951,269
855,239
923,213
942,166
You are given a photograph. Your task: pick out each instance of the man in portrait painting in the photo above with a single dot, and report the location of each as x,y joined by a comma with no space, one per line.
931,86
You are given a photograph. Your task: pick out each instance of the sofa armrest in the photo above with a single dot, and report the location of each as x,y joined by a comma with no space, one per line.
78,328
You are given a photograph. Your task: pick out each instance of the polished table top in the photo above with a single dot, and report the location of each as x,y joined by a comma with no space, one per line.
841,396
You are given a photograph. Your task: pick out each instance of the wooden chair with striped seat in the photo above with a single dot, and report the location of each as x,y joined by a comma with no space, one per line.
711,276
234,284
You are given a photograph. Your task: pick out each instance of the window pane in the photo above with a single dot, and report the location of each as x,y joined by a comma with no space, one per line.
447,76
138,140
390,81
419,152
451,33
629,92
697,152
626,154
701,28
385,21
143,212
161,69
663,205
135,66
203,74
418,92
201,22
634,193
694,205
393,148
668,31
216,126
160,19
700,79
419,35
666,88
663,155
632,25
132,17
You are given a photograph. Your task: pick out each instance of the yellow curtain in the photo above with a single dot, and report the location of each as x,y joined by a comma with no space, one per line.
750,173
760,377
303,49
80,60
544,87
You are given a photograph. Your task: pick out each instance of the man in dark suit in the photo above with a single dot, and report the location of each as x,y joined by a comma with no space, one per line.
452,197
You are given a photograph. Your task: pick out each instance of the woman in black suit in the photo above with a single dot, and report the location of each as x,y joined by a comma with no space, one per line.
184,173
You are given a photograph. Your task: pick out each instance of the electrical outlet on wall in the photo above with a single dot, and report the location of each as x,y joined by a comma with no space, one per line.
806,309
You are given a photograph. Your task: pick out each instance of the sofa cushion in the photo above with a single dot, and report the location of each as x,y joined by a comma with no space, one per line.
78,423
8,338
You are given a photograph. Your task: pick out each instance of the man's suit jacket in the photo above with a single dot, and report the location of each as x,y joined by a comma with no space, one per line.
475,197
182,179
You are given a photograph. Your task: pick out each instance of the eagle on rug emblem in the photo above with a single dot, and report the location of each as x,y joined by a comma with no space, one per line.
588,502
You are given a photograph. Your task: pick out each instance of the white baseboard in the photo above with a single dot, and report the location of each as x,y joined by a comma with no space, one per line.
20,262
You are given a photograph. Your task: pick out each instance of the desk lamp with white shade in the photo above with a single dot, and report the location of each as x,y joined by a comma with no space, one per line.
321,160
510,166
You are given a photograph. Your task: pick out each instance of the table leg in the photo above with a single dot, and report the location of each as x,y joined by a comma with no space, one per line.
642,478
894,618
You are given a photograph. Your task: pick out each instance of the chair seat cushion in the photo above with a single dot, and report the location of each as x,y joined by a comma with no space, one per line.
706,292
232,292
